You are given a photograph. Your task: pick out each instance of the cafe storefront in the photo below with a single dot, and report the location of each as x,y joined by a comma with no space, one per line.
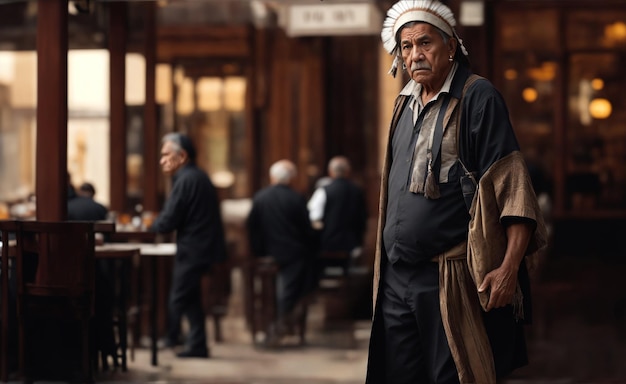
252,87
560,66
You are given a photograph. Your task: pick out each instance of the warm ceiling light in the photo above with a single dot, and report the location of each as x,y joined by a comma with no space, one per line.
600,108
510,74
529,95
597,84
615,32
546,72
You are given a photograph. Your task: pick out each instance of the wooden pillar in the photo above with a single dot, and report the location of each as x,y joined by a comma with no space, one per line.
257,100
117,105
150,127
51,154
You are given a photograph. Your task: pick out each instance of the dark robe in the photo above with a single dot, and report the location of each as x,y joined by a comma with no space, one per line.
485,136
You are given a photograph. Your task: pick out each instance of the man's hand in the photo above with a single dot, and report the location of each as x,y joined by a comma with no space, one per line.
502,281
501,284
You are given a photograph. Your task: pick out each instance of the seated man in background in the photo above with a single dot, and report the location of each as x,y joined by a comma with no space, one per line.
338,211
86,190
83,208
279,228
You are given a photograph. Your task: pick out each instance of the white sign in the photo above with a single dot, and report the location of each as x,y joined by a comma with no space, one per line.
333,19
472,13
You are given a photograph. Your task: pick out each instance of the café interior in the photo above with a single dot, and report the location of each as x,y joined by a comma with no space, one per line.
89,87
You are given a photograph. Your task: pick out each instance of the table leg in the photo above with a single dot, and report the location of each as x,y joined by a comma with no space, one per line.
4,366
153,311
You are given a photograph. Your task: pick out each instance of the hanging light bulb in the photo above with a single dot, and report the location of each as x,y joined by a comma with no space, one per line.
529,95
600,108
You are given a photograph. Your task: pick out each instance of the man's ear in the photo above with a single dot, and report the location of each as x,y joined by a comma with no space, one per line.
184,155
452,43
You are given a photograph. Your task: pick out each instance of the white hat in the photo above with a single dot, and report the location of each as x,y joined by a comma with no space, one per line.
405,11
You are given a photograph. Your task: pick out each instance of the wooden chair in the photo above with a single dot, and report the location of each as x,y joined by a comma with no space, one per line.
216,290
333,285
262,293
55,279
121,275
8,229
263,311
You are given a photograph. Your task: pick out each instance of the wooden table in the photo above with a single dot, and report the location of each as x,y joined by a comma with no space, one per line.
133,236
149,252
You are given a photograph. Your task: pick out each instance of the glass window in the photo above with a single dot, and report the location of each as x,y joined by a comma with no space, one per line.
528,72
529,88
18,99
596,132
88,123
211,109
597,29
535,30
578,84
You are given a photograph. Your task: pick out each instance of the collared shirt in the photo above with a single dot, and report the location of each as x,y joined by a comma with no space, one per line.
316,205
415,89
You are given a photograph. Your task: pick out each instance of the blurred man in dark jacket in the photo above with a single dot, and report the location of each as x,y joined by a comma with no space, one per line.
85,208
339,212
193,211
279,228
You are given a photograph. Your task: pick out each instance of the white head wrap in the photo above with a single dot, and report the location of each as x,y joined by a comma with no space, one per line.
405,11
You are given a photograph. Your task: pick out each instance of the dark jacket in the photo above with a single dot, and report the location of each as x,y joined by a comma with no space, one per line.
278,225
193,211
345,216
80,208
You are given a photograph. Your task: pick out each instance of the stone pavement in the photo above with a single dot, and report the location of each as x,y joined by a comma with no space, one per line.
331,356
578,336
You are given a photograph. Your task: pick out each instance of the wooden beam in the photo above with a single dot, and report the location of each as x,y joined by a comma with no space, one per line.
150,126
117,104
202,42
51,153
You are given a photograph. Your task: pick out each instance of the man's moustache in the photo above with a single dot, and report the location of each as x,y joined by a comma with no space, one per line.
417,66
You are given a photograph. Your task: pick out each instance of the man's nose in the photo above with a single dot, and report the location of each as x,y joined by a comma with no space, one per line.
416,53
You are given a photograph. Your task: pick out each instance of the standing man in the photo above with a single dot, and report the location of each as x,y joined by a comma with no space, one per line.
193,211
339,212
450,287
278,227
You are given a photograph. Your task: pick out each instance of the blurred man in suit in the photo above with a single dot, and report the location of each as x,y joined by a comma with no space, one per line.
279,228
193,211
339,212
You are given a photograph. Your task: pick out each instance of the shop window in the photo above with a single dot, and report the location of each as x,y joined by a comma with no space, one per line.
529,87
595,30
564,88
211,109
87,127
596,132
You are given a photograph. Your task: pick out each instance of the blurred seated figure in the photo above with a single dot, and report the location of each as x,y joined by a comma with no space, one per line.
81,206
279,229
338,211
85,208
86,190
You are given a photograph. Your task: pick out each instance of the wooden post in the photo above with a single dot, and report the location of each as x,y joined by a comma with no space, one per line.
150,126
51,154
117,105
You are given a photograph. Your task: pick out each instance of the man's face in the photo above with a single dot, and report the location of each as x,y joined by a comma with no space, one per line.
171,160
426,55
